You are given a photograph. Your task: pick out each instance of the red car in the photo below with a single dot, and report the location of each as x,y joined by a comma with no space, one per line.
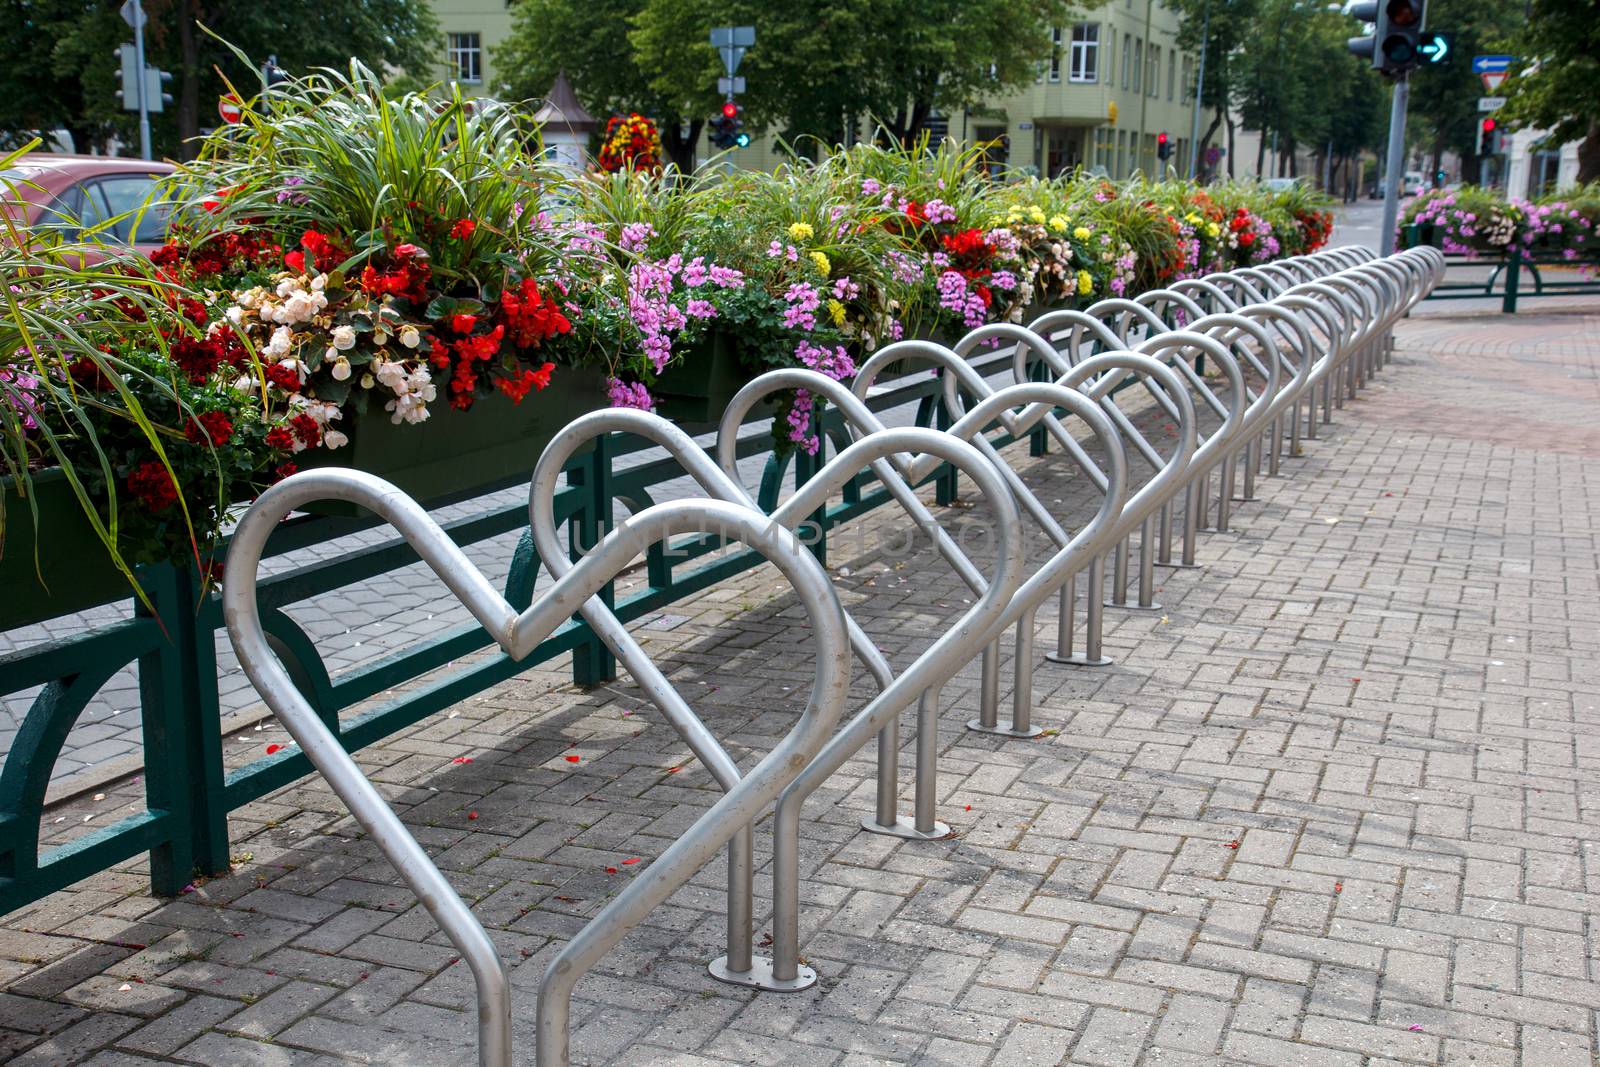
76,193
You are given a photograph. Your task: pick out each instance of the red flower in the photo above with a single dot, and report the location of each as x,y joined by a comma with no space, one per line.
482,347
285,378
280,438
212,426
295,261
285,469
463,323
463,229
531,316
306,429
520,386
193,310
198,357
915,213
152,484
1246,240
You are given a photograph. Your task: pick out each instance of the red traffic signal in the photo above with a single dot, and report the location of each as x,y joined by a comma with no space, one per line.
730,110
1161,138
1488,125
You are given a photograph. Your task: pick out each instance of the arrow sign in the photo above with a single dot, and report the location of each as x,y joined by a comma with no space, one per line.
1492,64
1435,47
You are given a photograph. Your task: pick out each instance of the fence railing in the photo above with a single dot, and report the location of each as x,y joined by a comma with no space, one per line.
1512,276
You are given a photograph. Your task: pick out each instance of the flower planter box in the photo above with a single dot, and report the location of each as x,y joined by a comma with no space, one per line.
695,391
1418,235
75,569
452,453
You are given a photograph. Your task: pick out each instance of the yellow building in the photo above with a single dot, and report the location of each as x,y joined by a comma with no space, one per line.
1115,82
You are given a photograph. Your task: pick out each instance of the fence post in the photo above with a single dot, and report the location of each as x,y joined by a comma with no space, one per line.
592,662
182,729
1508,303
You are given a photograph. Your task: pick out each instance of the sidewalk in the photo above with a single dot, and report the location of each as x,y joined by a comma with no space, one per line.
1330,808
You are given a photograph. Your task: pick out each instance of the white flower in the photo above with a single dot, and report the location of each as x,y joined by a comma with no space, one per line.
319,282
234,314
409,336
344,338
368,381
341,370
280,344
380,338
334,439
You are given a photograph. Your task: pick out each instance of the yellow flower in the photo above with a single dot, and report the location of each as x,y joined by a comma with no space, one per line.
823,266
1212,229
800,231
1081,233
1191,218
1036,213
1059,223
1014,216
1085,283
836,312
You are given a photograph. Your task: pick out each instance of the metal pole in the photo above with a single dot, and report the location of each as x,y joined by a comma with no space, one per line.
1396,163
138,62
1144,80
1199,93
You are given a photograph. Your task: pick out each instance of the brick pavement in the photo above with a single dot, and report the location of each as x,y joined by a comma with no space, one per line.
1326,810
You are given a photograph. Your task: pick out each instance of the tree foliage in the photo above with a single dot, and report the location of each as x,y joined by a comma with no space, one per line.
1557,87
817,65
57,69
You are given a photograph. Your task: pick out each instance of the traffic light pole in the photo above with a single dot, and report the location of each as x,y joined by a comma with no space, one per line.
138,59
1396,162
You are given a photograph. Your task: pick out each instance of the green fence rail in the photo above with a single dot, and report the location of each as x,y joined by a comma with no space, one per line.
188,791
1513,276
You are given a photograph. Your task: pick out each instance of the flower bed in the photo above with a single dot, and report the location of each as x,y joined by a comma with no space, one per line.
1475,222
394,283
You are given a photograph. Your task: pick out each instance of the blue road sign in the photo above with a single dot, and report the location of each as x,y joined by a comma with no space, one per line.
1491,64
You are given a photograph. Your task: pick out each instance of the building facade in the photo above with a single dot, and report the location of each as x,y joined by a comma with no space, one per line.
1114,83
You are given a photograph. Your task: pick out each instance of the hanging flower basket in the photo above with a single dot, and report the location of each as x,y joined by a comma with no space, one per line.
72,570
454,453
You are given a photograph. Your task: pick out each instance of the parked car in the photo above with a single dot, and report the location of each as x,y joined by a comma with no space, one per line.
88,198
1413,184
1281,185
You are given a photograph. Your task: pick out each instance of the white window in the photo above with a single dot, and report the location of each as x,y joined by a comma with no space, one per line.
1153,72
1138,65
1172,72
1111,58
1085,52
1127,58
1188,79
466,57
1055,55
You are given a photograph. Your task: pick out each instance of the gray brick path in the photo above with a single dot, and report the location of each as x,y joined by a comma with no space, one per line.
1331,808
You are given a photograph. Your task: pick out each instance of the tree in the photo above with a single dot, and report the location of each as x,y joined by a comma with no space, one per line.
1223,25
817,66
58,71
1444,98
1558,89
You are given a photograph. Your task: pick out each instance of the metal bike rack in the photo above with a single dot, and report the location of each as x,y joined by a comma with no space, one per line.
738,966
517,633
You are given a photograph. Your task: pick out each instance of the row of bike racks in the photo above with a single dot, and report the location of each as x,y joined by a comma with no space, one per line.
1287,342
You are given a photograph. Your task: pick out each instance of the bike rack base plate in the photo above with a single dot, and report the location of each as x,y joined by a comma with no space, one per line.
1003,731
1134,607
759,976
1080,660
906,828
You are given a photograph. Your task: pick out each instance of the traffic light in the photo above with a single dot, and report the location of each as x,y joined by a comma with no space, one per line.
1396,43
1163,146
1486,138
154,81
727,127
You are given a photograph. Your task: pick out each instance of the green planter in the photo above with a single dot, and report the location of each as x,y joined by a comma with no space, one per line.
696,390
454,453
72,562
1418,235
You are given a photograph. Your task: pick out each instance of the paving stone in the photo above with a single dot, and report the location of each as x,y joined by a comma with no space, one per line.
1392,715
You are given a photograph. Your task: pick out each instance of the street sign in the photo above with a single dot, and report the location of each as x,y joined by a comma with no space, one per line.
1491,103
732,42
229,110
730,86
132,13
1492,80
1492,64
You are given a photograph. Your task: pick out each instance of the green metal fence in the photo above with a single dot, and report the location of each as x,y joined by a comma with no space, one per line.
188,791
1514,276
